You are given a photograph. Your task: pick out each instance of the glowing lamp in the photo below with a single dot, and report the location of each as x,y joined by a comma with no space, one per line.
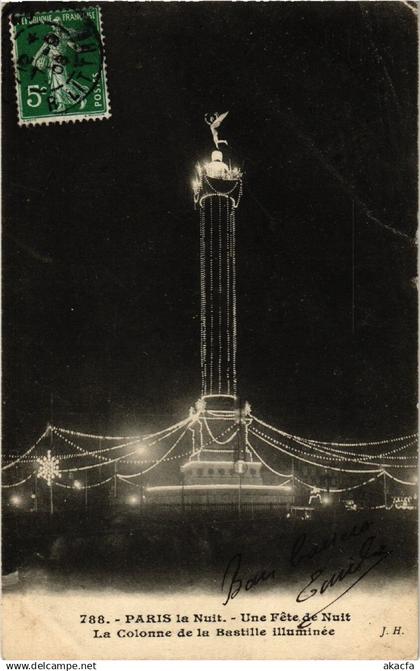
77,484
133,500
15,500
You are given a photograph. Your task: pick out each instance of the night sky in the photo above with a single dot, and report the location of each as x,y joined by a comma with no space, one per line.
101,242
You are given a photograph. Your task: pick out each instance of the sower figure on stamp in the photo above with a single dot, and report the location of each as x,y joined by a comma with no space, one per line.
51,58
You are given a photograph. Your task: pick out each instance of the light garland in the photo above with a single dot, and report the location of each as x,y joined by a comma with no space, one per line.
137,462
203,324
170,431
344,489
216,192
85,453
92,466
121,457
211,295
282,475
97,484
380,472
132,439
209,442
83,487
21,482
234,299
327,456
214,439
360,455
387,441
228,306
277,446
201,435
19,459
326,443
135,475
192,430
219,367
127,482
402,482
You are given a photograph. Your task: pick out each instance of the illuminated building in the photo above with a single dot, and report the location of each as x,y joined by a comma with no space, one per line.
222,468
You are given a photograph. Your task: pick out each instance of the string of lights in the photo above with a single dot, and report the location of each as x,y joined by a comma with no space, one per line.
210,442
228,306
361,456
335,444
236,205
128,482
21,482
138,462
57,431
156,463
92,486
63,457
211,294
132,439
234,298
97,484
99,465
192,431
386,441
120,458
221,195
273,470
413,483
343,489
31,449
327,456
203,324
214,438
380,472
219,363
281,447
85,453
171,431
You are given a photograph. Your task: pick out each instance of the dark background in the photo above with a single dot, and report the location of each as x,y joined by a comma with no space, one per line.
100,240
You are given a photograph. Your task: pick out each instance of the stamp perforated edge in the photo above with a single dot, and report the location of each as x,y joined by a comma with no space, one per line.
47,121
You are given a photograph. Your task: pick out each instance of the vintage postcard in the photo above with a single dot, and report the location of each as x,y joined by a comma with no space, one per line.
209,330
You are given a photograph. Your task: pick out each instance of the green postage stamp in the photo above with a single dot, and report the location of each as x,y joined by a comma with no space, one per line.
59,65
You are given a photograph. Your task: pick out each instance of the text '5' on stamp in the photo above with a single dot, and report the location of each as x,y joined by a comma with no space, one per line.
59,66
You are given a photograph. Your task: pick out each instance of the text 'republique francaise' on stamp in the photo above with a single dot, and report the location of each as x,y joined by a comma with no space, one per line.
59,65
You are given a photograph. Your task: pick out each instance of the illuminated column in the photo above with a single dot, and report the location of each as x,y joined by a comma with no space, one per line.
217,192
